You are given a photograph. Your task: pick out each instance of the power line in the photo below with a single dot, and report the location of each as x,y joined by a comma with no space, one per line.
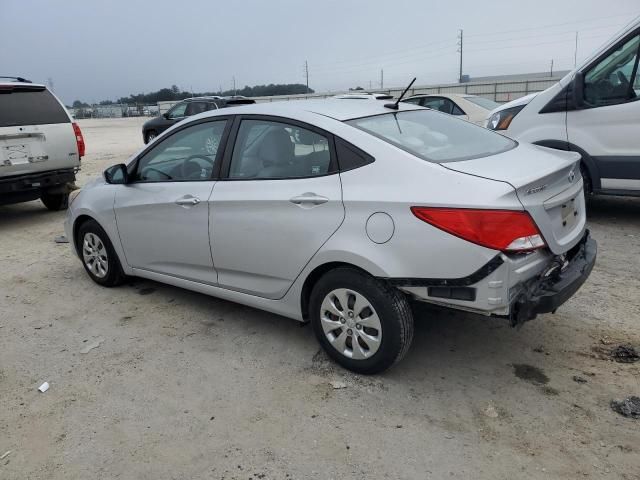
551,25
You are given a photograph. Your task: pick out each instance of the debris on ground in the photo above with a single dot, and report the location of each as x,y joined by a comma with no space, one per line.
491,411
625,354
578,379
629,407
5,454
44,387
338,385
61,239
92,345
606,340
530,374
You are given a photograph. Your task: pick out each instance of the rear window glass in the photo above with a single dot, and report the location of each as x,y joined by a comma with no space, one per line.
20,106
434,136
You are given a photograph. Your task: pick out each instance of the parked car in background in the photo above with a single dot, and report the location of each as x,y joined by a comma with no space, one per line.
186,108
339,213
594,110
469,107
40,145
364,96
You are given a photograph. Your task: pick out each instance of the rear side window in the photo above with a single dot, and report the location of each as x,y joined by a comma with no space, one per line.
350,157
28,106
434,137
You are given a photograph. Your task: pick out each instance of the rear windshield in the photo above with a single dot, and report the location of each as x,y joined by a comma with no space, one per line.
29,106
483,102
434,136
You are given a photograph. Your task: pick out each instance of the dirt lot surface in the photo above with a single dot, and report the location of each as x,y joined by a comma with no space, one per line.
181,385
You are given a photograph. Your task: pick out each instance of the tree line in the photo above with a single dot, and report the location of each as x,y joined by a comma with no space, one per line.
174,93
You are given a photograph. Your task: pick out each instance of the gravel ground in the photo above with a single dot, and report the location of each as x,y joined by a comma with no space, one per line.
187,386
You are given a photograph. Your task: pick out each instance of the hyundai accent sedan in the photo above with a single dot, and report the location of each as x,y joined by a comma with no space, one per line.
340,214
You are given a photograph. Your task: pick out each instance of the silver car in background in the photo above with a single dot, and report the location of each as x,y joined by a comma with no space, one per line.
339,213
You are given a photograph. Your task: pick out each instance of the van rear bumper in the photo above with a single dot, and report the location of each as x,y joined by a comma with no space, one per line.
548,291
23,188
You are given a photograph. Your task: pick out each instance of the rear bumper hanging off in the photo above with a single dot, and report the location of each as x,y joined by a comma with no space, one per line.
546,292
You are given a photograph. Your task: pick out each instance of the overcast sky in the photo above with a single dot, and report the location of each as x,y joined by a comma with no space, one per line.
104,50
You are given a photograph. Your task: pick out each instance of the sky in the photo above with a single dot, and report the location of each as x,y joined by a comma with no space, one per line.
94,50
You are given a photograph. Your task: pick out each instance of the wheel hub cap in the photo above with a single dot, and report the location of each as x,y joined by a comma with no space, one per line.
351,324
94,255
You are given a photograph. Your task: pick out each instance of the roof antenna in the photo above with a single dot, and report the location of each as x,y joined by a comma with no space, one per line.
394,106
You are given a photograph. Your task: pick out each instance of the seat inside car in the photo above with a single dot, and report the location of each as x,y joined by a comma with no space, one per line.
276,153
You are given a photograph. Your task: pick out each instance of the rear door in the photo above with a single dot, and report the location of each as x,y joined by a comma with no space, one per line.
36,134
163,214
281,200
607,128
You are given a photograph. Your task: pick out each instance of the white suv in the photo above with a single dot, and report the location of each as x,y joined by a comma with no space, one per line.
40,145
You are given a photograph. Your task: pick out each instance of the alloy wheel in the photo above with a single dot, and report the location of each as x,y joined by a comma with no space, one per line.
351,324
95,255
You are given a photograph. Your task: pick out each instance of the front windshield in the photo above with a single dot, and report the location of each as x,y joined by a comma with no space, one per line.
434,136
483,102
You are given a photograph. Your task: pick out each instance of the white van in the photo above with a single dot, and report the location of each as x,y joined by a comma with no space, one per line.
594,111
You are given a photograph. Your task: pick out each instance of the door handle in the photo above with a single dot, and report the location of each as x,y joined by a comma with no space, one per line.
309,198
188,200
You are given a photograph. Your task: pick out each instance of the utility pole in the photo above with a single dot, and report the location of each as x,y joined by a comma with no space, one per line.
369,85
460,33
381,79
551,72
575,54
306,73
50,83
235,92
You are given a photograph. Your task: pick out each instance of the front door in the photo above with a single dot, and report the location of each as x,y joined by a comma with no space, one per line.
608,125
162,215
281,201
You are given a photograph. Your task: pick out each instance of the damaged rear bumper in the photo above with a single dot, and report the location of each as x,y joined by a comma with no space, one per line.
547,291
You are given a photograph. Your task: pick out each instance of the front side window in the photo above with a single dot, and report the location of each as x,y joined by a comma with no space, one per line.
613,80
193,108
178,111
187,155
433,137
267,149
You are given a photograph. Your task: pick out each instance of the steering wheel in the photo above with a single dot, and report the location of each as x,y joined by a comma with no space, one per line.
191,169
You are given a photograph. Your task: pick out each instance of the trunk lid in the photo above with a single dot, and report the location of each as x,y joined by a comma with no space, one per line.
548,184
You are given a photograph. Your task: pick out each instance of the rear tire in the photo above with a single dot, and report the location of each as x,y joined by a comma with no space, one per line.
586,179
55,201
98,256
372,331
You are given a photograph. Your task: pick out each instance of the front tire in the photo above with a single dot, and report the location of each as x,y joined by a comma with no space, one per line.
98,256
56,201
363,324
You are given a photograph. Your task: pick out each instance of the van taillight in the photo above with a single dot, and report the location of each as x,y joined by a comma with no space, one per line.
79,139
506,230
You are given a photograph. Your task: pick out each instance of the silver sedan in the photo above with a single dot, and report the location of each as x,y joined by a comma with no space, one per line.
341,213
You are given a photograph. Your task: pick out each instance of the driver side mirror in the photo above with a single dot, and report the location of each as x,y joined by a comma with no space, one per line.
578,90
166,115
117,174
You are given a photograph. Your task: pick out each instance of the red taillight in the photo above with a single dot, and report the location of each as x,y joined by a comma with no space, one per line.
79,139
507,230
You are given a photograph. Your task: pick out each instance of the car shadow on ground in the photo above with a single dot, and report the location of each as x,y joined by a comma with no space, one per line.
602,209
26,214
